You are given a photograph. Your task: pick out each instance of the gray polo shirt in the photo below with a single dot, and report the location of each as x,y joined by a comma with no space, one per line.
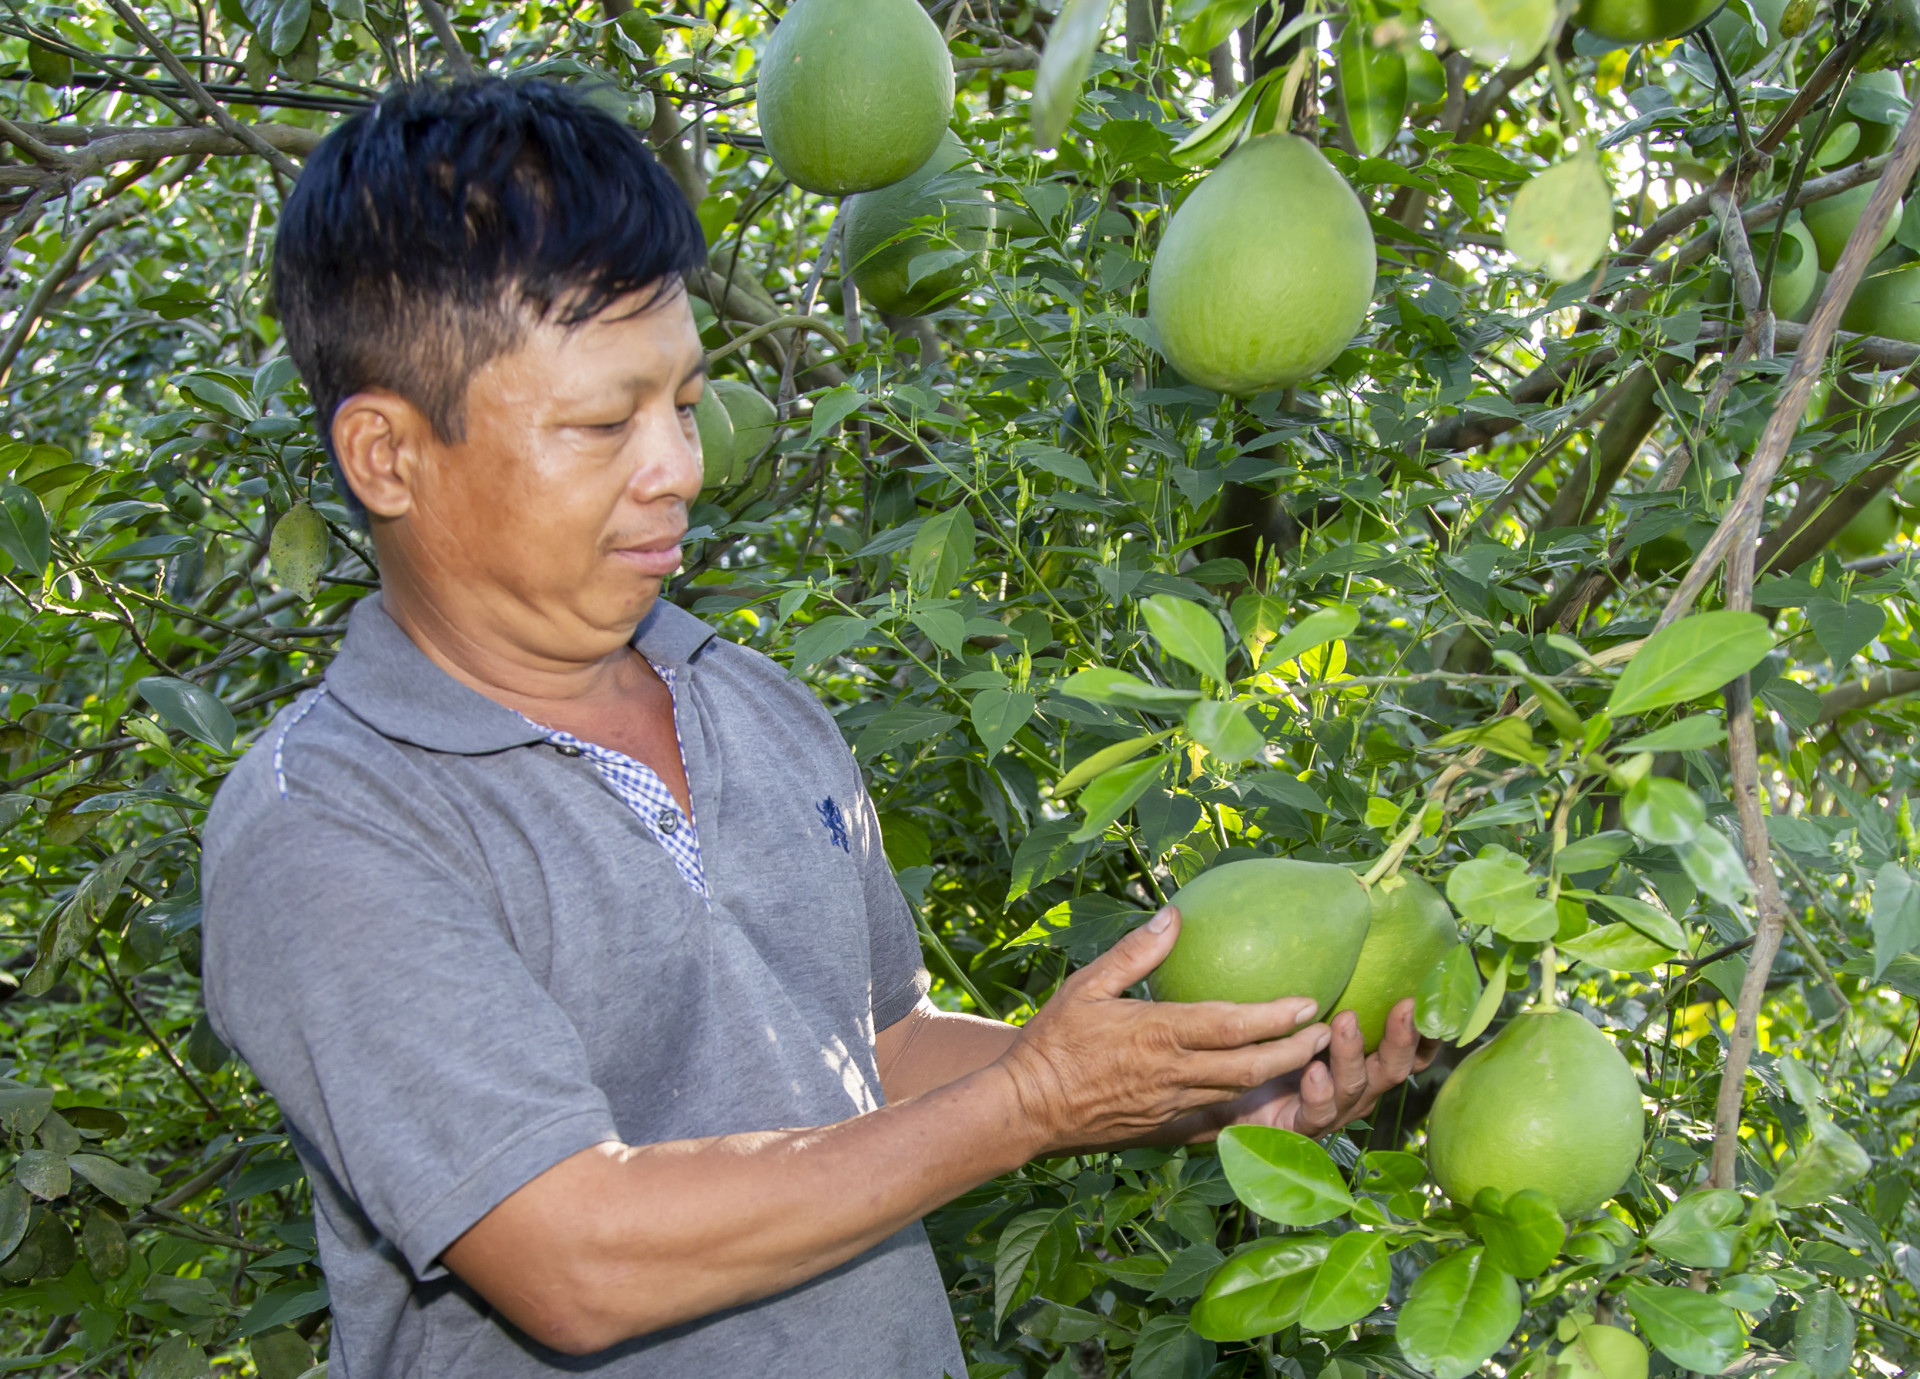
456,956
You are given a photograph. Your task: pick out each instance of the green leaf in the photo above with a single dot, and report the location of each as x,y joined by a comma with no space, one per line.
1595,852
1206,26
1488,1005
1373,89
1014,1258
1696,1231
23,530
835,406
998,714
177,1357
942,552
1896,916
1689,1328
1655,923
1448,994
1218,133
1824,1333
1501,892
1260,1289
1831,1163
1562,220
1121,690
15,1210
281,24
1842,629
1189,633
1695,656
1693,734
128,1186
944,627
1112,793
1224,730
1257,618
1618,948
190,709
1168,1348
1508,737
287,1303
1523,1233
1662,811
1105,760
43,1173
1330,624
1063,67
1349,1285
1283,1176
1460,1311
23,1108
1715,865
827,637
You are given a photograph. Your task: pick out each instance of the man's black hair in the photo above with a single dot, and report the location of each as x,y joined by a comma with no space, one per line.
426,234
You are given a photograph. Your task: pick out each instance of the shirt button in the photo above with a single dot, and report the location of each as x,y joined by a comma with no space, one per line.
566,749
668,821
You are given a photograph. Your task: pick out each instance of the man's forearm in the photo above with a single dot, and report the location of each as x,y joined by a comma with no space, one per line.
624,1240
931,1047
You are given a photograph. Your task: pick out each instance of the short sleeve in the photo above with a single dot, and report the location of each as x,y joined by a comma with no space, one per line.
381,1001
899,975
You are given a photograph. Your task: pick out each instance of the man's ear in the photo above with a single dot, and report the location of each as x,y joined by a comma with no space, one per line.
379,438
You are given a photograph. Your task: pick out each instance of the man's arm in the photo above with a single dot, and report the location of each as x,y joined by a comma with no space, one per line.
623,1240
931,1047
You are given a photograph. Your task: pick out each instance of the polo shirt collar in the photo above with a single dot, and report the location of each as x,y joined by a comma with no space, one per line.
387,682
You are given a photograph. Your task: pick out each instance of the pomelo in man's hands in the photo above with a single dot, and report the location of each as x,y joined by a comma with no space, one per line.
1265,272
1412,930
1549,1103
854,94
1264,928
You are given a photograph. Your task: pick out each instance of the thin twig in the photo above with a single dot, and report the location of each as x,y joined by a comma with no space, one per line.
455,55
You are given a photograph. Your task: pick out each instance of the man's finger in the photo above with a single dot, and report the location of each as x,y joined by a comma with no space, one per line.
1428,1051
1393,1059
1244,1068
1319,1109
1347,1059
1131,959
1230,1025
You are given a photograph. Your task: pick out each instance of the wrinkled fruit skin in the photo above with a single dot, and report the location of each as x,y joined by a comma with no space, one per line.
1643,21
1549,1104
1264,928
754,423
1412,929
1265,272
1871,529
1832,219
1887,304
854,94
875,218
716,438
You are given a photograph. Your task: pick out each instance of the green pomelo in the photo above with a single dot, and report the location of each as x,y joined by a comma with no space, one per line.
1795,270
1643,21
1265,272
1832,219
1263,928
1412,929
1805,313
1549,1104
716,438
1871,529
754,422
1872,92
1887,304
1602,1352
854,94
881,243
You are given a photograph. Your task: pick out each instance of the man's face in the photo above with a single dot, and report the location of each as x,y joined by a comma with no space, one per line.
562,509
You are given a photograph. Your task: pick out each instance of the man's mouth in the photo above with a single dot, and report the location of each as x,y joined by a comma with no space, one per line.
658,558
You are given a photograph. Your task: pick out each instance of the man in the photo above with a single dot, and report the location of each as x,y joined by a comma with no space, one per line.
560,929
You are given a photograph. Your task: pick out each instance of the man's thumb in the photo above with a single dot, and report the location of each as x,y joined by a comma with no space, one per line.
1134,956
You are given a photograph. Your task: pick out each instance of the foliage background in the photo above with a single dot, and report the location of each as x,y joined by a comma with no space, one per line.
965,510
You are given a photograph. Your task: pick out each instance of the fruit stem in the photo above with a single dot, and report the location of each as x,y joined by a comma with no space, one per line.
1549,978
1389,862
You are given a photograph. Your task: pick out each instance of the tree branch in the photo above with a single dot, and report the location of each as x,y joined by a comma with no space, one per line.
457,60
1860,694
277,160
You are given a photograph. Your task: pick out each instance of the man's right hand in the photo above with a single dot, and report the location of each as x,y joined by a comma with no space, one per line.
1095,1068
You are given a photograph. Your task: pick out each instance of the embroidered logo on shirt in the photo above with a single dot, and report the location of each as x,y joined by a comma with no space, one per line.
836,824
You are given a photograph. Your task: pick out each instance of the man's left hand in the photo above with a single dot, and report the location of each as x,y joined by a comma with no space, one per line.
1326,1095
